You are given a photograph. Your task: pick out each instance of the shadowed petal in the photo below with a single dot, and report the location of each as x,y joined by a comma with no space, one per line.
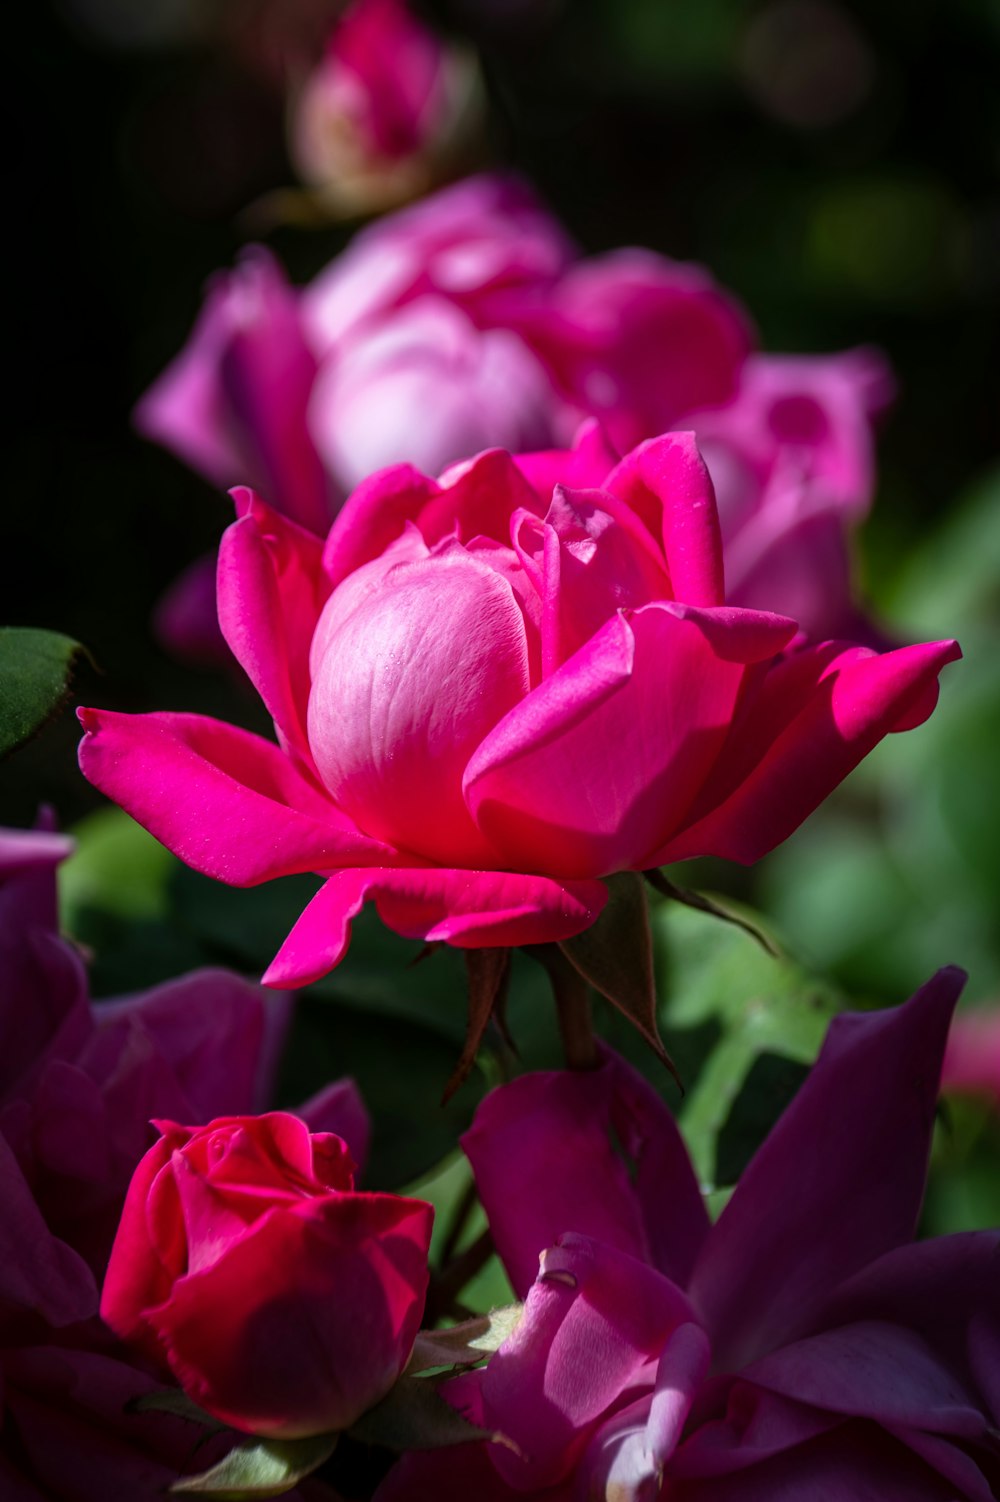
557,1126
838,1182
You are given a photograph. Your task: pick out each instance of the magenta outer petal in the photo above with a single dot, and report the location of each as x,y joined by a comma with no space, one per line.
665,480
373,516
594,1325
271,590
468,909
592,769
838,1182
585,466
799,738
228,803
142,1265
558,1128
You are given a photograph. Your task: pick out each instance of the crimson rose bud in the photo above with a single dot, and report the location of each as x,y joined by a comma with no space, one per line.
284,1302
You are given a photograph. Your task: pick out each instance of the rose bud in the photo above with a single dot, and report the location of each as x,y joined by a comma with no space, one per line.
387,105
283,1302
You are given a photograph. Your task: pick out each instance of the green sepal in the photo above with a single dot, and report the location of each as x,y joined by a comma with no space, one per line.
260,1468
466,1344
414,1416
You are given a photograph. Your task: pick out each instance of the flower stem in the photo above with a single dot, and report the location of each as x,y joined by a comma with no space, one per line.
572,1000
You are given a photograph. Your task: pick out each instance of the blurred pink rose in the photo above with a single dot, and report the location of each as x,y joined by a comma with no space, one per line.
972,1059
426,386
793,461
478,243
491,691
802,1346
471,320
233,403
375,120
639,342
284,1303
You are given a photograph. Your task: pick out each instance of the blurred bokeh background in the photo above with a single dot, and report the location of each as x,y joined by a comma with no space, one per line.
836,165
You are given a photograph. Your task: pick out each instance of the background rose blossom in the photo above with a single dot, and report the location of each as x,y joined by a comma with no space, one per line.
469,321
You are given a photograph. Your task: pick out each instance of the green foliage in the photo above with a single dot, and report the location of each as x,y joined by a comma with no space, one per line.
897,873
743,1026
36,670
414,1416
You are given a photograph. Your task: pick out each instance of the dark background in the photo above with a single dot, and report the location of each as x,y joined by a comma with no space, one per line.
835,165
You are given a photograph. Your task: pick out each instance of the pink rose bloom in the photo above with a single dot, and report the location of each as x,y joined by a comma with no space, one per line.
639,342
425,385
381,107
972,1059
378,362
792,458
802,1346
476,243
284,1302
492,690
233,403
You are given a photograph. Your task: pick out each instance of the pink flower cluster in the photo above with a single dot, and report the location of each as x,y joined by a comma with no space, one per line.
802,1346
470,321
494,689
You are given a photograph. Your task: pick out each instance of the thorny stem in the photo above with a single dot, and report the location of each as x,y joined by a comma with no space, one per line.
572,1007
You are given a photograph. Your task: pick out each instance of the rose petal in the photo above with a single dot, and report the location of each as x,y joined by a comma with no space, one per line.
606,755
872,1370
817,716
271,590
313,1314
592,1324
838,1182
227,802
557,1127
469,909
666,483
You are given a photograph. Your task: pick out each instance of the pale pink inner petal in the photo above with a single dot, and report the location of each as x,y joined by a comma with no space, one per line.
409,684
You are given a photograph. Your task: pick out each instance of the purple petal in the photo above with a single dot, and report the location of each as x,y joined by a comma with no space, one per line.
838,1182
